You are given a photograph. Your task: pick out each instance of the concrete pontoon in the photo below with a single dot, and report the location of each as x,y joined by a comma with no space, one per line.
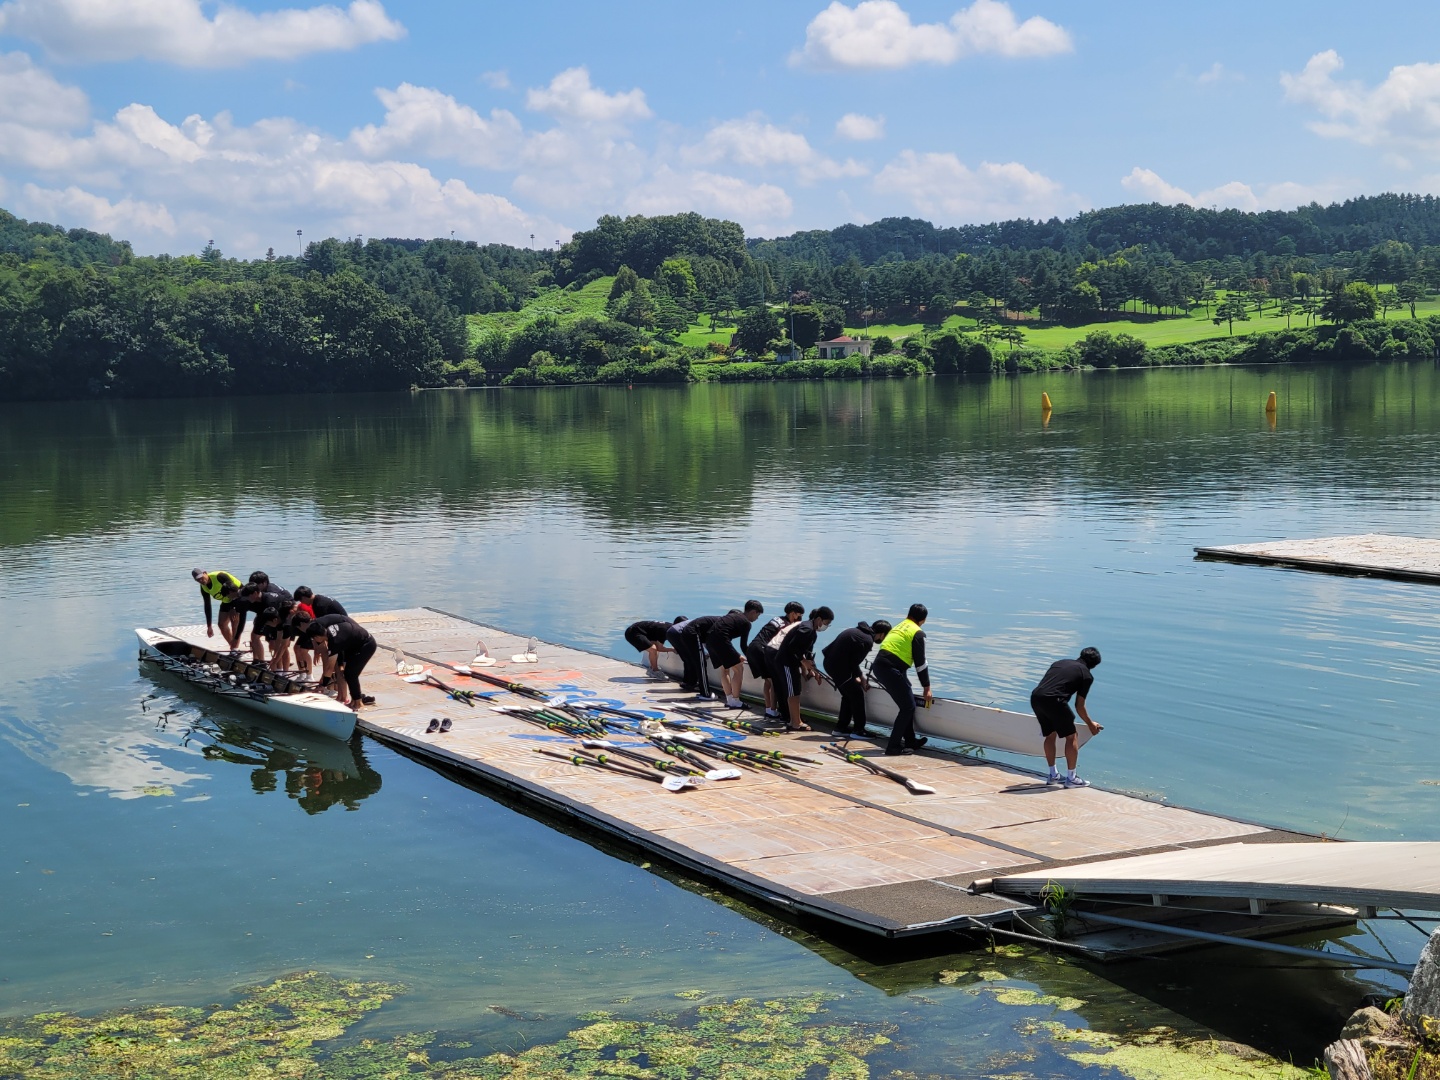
830,840
1403,558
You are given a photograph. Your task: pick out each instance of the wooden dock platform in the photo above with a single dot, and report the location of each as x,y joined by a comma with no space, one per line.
1403,558
830,840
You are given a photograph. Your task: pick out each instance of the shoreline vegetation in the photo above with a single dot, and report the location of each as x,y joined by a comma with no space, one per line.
683,298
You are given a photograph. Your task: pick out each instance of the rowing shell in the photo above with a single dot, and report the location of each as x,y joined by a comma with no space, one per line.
947,718
254,687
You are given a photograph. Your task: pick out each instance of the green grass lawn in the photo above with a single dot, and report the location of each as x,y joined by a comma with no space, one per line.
1197,326
562,303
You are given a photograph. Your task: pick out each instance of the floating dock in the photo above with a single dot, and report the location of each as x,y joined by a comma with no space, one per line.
1403,558
830,840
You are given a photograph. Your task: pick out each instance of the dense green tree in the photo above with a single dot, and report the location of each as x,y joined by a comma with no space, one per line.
1231,310
1350,303
757,331
1410,293
626,280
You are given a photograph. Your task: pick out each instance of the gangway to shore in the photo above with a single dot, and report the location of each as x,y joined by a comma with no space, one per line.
1404,876
833,842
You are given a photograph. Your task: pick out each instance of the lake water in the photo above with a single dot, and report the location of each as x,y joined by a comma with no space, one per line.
161,849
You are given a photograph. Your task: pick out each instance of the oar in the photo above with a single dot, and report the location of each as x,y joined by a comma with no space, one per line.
914,786
635,755
513,687
669,783
464,696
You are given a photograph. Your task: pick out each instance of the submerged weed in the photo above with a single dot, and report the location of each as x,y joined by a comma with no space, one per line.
281,1030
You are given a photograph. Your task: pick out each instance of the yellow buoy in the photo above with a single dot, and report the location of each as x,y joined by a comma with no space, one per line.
1044,402
1270,405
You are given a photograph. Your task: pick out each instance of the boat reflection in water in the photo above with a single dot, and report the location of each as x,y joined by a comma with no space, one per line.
317,777
316,772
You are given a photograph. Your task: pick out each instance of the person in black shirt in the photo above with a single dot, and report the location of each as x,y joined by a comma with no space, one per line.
792,660
726,657
257,596
687,645
842,658
755,651
649,638
346,647
1050,701
320,606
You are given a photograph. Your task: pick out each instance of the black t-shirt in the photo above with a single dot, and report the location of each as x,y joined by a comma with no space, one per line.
728,627
799,644
323,606
343,635
655,631
273,596
768,631
843,655
1064,678
701,627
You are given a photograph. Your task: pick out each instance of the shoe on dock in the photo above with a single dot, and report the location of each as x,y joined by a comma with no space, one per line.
734,703
1075,781
434,727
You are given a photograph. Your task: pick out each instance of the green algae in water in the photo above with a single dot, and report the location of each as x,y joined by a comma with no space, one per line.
280,1030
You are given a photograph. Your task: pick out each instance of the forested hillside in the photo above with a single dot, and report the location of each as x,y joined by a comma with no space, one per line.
682,296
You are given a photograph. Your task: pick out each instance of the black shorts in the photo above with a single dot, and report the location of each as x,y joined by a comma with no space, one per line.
1055,716
755,657
270,633
722,652
227,606
637,640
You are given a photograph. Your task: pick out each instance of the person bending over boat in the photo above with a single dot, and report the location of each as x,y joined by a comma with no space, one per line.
271,625
257,596
1050,701
687,647
719,643
346,647
648,637
903,648
755,651
319,605
300,619
213,584
792,660
842,659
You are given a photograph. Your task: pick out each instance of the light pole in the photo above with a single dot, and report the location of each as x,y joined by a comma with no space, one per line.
865,305
300,242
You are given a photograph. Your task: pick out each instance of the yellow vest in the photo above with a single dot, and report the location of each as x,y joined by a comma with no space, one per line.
218,580
899,641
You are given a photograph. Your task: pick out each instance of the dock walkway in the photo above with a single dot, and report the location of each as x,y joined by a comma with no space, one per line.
831,841
1403,558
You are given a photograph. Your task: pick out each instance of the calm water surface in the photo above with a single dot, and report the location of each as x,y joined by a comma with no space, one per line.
166,850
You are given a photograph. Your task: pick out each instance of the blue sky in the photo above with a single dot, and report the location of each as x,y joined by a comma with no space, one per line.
173,122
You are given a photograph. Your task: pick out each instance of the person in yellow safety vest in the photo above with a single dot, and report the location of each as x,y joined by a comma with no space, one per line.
213,584
904,647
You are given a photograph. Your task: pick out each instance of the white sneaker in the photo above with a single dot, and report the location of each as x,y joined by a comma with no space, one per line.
1054,778
656,673
734,703
772,714
1075,781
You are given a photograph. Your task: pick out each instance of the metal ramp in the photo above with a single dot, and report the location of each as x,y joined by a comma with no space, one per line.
1232,894
1361,875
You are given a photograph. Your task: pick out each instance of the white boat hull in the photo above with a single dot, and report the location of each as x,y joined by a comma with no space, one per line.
303,708
950,719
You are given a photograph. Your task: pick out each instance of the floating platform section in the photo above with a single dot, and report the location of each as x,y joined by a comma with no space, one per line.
830,841
1403,558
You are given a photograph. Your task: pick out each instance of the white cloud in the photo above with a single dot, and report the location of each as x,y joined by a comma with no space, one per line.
941,185
201,178
1149,186
860,128
73,205
496,80
755,143
1404,109
879,34
422,120
179,32
1217,73
571,96
32,96
670,191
